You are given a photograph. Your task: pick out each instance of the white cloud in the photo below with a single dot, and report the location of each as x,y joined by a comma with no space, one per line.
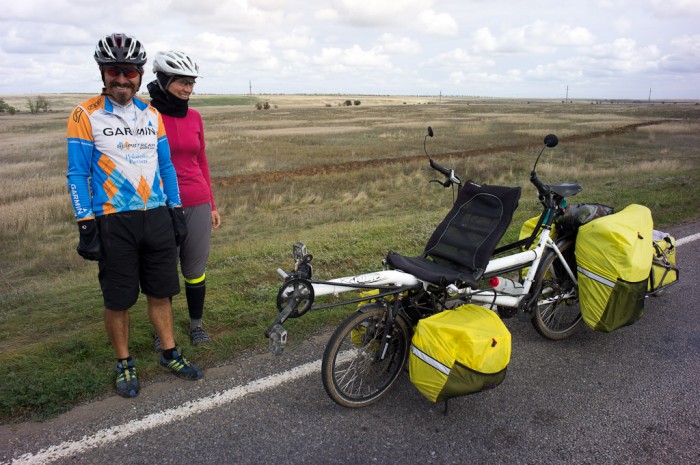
483,41
327,14
229,15
388,47
378,13
458,58
398,45
623,55
214,47
685,57
352,58
296,57
297,38
438,23
676,8
537,37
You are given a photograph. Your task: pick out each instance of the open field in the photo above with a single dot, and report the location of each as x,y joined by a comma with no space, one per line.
349,181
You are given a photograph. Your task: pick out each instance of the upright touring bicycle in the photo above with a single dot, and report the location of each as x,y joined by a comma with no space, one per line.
460,264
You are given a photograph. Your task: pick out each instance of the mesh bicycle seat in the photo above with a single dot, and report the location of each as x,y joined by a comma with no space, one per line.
461,246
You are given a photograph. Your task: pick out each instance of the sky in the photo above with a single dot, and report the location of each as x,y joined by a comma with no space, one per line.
600,49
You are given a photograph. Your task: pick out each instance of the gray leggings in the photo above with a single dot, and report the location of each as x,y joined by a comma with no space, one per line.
194,251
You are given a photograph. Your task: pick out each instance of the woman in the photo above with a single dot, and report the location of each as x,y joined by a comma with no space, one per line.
170,92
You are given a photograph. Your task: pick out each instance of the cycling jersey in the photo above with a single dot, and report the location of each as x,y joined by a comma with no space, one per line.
124,153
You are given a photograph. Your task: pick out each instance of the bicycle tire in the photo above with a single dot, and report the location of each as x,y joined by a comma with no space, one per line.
557,314
353,376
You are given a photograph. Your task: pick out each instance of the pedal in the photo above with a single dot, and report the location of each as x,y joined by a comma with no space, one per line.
278,339
298,251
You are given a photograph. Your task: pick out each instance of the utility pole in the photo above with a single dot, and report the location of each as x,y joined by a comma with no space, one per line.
250,93
566,100
650,94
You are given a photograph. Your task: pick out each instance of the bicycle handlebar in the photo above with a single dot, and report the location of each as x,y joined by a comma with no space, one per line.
449,173
550,141
542,189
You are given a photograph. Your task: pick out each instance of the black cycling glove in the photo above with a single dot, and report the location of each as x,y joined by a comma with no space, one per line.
179,224
89,245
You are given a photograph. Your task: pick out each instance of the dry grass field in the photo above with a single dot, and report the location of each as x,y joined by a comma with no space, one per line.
350,181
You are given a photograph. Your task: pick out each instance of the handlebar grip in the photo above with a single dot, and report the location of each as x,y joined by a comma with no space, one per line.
541,188
440,168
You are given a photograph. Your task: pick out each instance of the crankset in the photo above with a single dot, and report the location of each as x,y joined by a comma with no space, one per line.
298,293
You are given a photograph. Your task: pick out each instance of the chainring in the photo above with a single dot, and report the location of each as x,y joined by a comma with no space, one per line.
300,292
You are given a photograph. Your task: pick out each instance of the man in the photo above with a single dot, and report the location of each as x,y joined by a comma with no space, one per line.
125,196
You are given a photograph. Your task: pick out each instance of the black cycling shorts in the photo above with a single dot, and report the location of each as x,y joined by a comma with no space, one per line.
138,250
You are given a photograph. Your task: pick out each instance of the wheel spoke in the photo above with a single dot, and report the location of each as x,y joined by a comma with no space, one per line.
353,375
557,314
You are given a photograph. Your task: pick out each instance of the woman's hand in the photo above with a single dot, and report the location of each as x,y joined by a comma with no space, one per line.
215,219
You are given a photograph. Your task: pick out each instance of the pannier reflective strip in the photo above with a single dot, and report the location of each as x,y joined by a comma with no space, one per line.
430,361
595,277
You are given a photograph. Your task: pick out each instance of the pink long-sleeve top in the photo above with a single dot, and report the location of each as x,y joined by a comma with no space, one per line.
187,149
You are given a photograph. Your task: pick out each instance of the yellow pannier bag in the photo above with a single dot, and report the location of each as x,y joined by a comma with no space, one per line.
613,257
529,226
526,231
459,352
663,267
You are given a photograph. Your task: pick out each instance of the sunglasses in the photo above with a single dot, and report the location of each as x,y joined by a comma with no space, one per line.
129,73
186,82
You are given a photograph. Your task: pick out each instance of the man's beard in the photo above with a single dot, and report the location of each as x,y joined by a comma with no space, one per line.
117,92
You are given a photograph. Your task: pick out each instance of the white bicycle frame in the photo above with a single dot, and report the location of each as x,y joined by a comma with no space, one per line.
529,258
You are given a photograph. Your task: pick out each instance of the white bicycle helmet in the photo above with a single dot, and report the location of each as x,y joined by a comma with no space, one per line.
174,63
120,48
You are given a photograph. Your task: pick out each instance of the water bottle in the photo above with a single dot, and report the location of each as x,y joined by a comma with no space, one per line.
505,285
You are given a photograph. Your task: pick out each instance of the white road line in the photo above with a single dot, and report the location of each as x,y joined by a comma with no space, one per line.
118,433
686,239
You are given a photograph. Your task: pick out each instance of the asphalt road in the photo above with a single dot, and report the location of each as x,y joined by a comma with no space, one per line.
632,396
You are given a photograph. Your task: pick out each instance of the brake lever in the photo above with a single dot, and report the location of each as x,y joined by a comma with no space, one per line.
446,183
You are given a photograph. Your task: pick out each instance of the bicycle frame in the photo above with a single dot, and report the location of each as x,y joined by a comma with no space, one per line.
391,282
297,295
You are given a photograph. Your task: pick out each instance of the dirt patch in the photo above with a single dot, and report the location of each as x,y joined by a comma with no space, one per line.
301,130
350,166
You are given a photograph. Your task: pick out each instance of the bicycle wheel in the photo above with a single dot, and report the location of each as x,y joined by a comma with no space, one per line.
558,313
353,374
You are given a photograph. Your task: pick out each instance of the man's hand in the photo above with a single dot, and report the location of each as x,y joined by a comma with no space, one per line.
179,224
89,245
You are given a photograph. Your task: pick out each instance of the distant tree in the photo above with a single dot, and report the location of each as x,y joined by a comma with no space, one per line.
5,107
42,104
347,103
356,102
32,105
38,104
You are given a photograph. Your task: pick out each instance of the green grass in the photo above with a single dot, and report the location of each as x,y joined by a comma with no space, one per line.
349,212
224,100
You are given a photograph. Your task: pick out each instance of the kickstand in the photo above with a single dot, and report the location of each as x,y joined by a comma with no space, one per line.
444,409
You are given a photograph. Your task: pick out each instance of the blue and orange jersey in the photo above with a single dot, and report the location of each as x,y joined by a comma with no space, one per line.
118,159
